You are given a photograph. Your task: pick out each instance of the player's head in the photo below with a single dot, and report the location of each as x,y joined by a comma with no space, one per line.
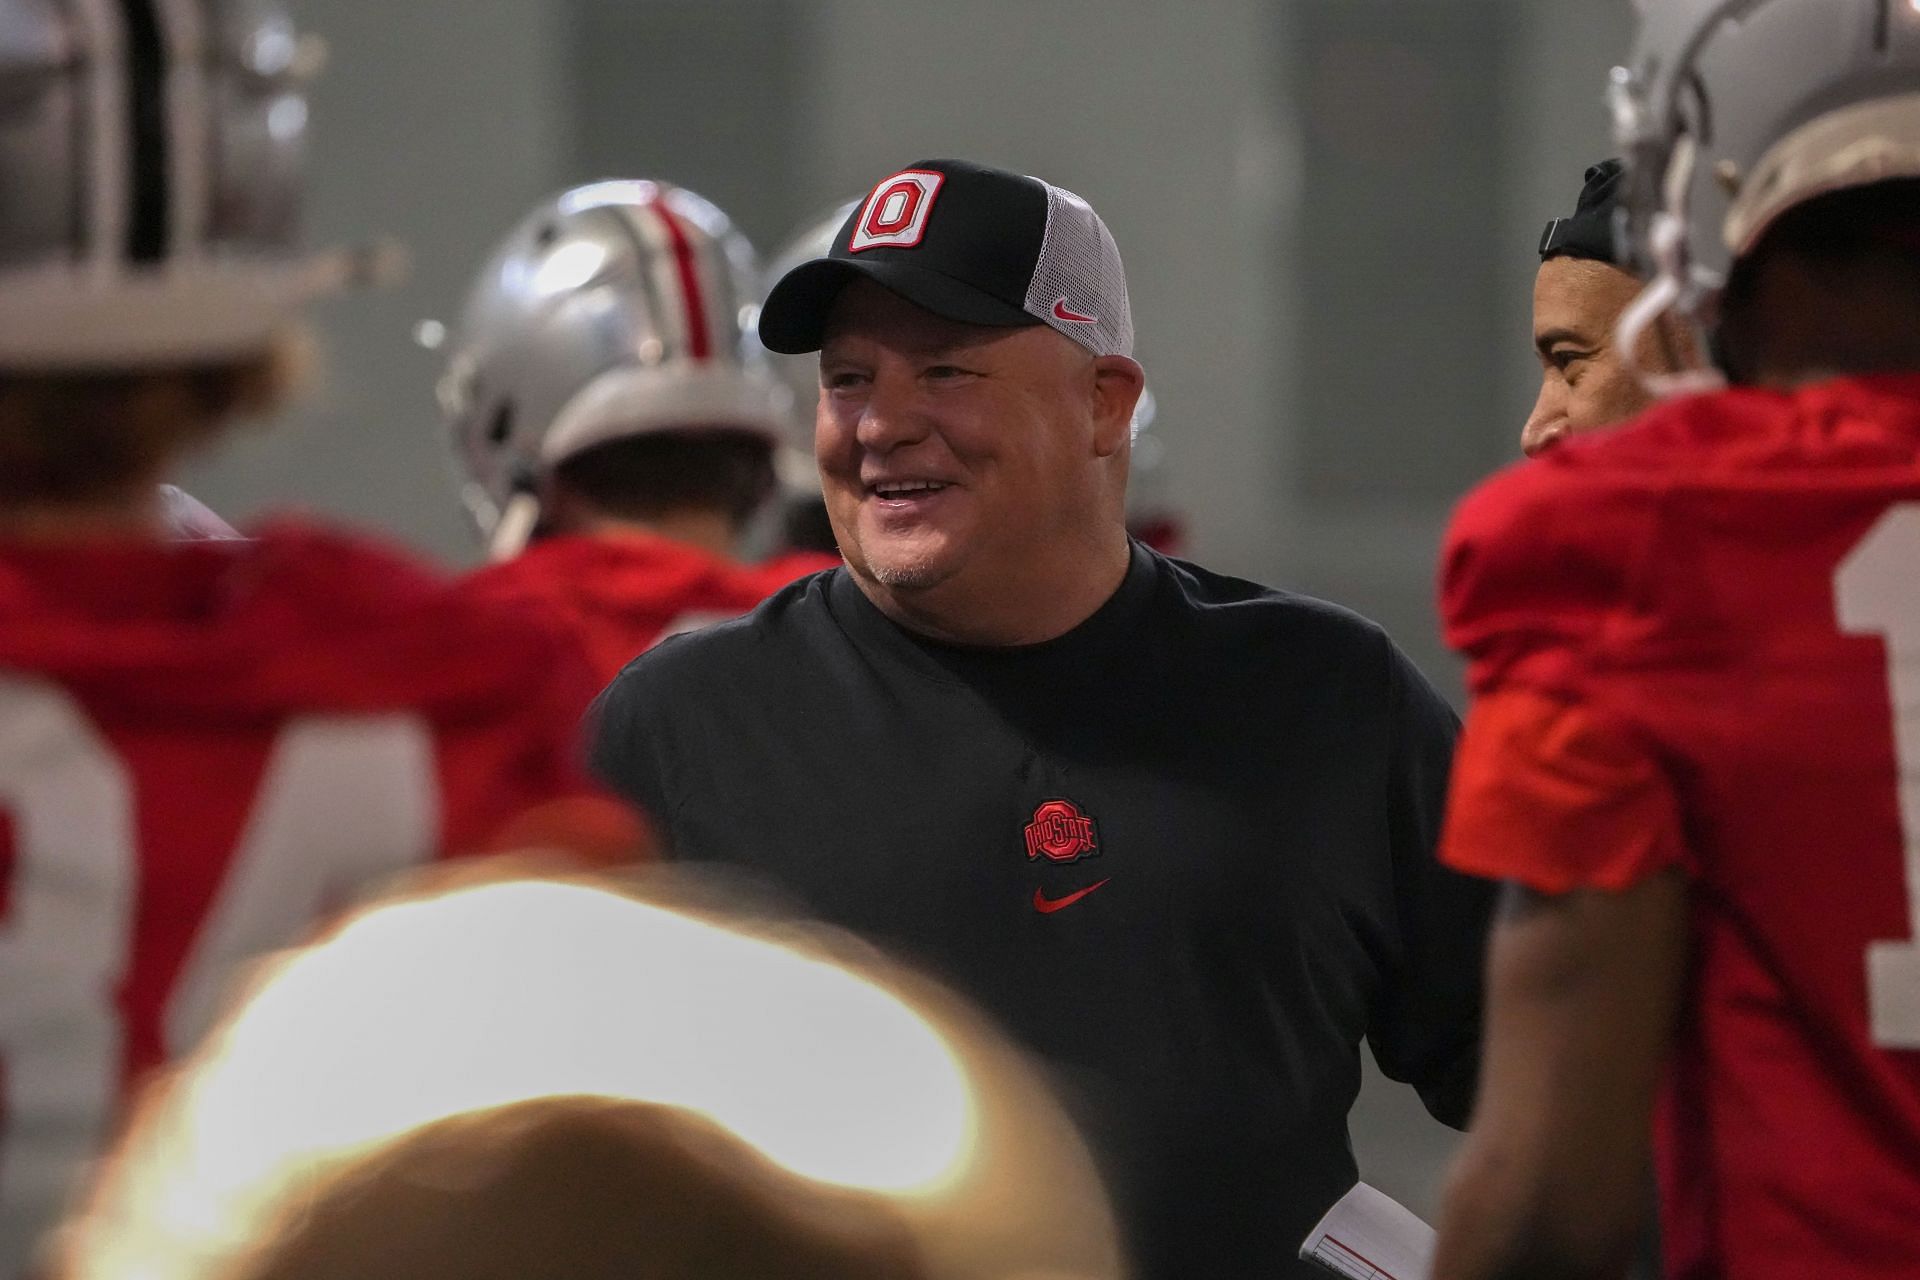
1578,296
977,379
536,1079
583,1188
1756,133
600,374
151,279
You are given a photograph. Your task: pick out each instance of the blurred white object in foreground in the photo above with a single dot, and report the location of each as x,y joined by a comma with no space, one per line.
842,1071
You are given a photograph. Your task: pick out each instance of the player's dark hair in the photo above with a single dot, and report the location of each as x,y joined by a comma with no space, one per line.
650,476
1866,242
582,1189
88,436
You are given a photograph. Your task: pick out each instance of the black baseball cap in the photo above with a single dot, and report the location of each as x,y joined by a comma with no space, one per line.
1589,232
970,243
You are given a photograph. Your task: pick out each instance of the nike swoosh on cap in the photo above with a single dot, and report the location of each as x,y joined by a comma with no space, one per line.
1047,906
1060,312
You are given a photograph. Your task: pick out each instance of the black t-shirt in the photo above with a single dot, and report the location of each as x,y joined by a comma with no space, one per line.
1183,851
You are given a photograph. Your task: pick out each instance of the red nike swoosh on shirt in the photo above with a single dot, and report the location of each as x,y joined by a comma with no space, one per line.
1060,312
1047,906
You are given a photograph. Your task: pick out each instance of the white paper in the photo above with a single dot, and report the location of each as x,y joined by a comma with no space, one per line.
1371,1236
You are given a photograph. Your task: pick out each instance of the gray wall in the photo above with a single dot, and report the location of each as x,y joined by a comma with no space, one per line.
1327,209
437,122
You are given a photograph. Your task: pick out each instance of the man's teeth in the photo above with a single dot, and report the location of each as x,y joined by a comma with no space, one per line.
907,488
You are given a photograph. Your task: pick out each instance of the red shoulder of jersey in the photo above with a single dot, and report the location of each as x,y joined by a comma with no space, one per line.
1536,563
1664,561
1602,552
620,594
300,621
296,619
1558,564
1555,575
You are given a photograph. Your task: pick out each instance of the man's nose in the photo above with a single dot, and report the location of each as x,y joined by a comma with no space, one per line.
891,416
1547,424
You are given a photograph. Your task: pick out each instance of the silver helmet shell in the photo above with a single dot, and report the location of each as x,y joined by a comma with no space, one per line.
801,374
1731,112
150,193
613,310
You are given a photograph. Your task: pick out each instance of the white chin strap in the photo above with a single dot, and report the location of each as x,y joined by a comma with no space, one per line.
514,528
1670,290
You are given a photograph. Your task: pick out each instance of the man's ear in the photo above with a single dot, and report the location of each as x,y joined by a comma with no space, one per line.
1117,384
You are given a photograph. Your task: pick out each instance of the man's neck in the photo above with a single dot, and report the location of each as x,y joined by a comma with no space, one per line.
1008,609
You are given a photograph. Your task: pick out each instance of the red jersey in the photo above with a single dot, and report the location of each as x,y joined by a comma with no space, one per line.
1695,642
622,593
203,747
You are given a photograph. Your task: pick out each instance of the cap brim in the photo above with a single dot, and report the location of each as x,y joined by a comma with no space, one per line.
794,319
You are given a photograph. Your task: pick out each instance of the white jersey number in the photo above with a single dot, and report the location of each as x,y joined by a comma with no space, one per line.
342,801
1878,593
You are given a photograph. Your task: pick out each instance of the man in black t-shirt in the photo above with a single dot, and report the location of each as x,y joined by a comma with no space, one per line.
1174,829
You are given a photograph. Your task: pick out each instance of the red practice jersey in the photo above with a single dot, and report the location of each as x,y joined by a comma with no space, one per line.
1695,642
622,593
203,748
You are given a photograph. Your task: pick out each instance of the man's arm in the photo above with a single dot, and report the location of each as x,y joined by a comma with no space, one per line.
1582,992
623,730
1425,1028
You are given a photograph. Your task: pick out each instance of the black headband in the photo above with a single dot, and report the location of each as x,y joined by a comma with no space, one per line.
1589,232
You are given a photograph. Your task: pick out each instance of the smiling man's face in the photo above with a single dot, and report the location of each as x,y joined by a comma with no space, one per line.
953,451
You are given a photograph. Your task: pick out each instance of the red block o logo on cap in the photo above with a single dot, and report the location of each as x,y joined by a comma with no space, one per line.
895,215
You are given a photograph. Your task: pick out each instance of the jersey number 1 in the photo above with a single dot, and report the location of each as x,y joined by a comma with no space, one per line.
1878,593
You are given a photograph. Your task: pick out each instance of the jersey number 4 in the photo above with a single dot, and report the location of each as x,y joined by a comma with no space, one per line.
1878,593
343,801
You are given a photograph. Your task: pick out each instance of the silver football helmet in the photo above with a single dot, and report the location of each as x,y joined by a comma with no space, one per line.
150,159
801,374
613,310
1731,112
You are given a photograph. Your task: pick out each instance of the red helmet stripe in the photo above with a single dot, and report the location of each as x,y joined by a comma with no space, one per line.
699,340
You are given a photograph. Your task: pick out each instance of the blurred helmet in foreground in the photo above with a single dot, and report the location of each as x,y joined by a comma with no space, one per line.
150,197
542,1078
613,310
1732,112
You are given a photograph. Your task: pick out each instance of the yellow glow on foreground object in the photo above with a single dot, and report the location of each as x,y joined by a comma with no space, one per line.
483,996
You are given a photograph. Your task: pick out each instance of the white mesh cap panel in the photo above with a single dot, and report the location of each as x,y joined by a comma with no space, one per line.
1079,286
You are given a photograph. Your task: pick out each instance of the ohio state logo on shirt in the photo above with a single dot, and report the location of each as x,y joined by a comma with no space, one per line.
1061,833
896,213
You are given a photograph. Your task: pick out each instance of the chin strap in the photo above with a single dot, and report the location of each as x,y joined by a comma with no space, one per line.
1672,289
516,525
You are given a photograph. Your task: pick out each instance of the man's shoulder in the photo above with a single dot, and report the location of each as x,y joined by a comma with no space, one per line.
789,618
1233,609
